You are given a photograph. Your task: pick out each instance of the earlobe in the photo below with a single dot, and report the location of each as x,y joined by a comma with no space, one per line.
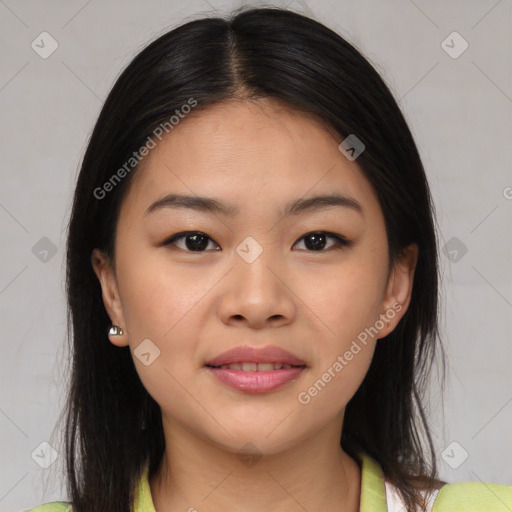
105,273
399,288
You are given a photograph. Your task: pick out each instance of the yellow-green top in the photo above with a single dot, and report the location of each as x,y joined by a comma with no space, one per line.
458,497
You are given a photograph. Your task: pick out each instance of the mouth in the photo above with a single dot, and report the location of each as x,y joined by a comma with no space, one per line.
253,359
256,369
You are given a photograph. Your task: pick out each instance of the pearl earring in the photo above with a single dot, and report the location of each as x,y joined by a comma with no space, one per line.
115,330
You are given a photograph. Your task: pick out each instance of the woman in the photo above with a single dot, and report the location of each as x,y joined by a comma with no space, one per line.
253,228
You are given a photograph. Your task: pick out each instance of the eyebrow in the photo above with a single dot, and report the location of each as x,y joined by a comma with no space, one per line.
214,206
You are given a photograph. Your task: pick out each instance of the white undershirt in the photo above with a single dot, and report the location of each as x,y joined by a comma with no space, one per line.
395,503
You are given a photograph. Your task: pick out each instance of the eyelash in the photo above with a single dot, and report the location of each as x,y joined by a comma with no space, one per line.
340,240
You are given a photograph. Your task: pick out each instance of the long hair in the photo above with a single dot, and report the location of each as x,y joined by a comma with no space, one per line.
112,424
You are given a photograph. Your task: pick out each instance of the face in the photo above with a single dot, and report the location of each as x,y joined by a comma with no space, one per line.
311,280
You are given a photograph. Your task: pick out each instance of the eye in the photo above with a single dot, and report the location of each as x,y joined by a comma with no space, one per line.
196,241
316,241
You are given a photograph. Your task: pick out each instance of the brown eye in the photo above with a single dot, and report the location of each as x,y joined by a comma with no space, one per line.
317,241
194,241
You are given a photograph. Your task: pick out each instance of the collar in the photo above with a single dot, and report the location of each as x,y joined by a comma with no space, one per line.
373,491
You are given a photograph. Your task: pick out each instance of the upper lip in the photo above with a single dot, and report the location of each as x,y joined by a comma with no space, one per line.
247,354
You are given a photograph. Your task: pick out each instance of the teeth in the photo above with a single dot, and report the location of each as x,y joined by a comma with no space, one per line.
265,367
255,367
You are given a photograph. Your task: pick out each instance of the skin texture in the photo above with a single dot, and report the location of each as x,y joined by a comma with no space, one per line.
193,306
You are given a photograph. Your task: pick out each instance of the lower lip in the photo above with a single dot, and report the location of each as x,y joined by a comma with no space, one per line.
256,382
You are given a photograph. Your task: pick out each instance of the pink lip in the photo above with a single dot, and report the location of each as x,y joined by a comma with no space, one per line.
256,382
246,354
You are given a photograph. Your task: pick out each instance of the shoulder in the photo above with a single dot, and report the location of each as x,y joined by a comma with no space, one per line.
458,497
474,497
54,506
378,493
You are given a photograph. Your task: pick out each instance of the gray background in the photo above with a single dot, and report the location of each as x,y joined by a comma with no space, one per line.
459,110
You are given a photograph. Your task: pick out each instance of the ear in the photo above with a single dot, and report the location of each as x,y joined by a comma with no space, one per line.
105,274
399,289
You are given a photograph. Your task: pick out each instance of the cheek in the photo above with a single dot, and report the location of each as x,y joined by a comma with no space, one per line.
348,308
155,295
161,304
332,387
345,300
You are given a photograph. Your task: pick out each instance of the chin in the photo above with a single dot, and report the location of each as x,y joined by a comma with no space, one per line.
259,437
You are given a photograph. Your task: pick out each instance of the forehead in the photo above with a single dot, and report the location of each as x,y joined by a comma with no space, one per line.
251,154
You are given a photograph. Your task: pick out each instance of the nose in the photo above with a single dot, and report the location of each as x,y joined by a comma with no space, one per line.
258,293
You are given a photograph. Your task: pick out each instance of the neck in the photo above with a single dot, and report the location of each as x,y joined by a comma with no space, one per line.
196,475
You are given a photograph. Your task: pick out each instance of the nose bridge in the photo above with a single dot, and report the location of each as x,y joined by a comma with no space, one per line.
253,260
254,289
